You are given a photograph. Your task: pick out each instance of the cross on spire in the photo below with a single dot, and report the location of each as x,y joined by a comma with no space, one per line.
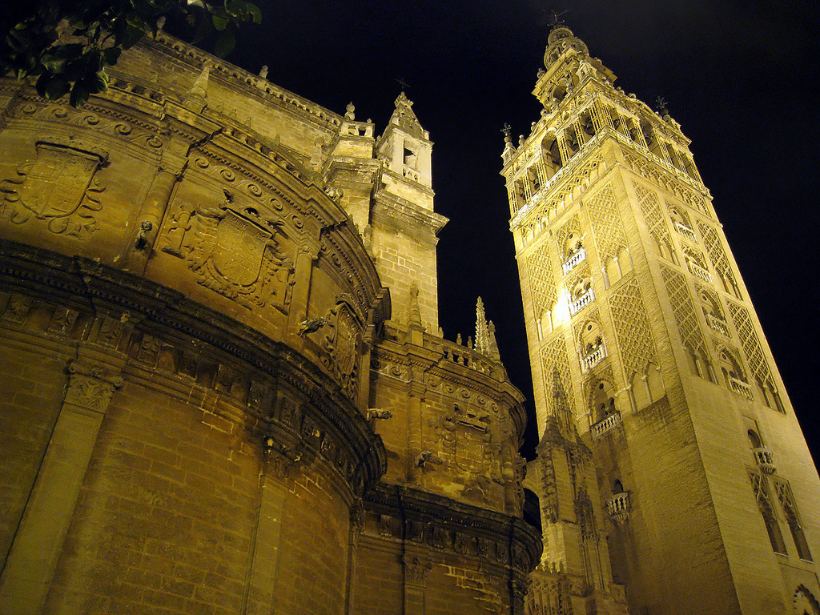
557,18
402,83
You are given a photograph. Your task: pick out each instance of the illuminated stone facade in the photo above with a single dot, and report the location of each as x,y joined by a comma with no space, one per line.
224,389
668,445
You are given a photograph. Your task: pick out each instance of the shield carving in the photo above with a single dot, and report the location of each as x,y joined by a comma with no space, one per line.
65,174
345,343
239,249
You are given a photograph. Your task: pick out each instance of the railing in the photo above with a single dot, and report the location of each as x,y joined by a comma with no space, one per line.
619,507
410,173
462,355
686,230
718,324
581,302
593,358
357,129
741,388
605,425
699,271
764,459
573,260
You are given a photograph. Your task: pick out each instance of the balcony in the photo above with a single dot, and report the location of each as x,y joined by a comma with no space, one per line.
581,302
605,425
593,358
740,387
699,271
765,459
686,230
410,173
716,323
574,260
619,506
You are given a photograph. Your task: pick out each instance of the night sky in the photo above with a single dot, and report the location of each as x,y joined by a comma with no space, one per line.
737,76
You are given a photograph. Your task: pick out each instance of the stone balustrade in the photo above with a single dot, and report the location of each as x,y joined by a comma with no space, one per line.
462,355
574,260
740,387
686,230
581,302
410,173
605,425
699,271
765,459
619,506
717,324
593,358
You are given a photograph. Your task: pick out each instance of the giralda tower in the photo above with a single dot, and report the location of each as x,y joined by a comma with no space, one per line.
670,461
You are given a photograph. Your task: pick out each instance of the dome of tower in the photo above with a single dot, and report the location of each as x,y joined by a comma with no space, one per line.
559,40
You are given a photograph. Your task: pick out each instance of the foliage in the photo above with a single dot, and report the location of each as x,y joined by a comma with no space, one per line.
67,44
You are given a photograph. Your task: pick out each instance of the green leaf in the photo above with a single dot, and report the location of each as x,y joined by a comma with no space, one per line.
220,22
111,55
255,13
225,43
78,95
52,87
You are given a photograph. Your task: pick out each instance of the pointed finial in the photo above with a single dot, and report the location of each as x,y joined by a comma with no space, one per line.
415,313
493,344
263,72
350,112
160,23
481,332
197,96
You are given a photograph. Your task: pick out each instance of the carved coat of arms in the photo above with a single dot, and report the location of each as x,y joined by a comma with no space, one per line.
235,253
58,187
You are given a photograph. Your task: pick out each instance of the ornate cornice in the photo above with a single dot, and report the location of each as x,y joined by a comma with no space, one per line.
446,525
331,426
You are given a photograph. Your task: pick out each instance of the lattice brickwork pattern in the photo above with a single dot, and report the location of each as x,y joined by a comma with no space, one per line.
554,356
751,344
684,310
715,250
606,223
542,284
651,209
632,327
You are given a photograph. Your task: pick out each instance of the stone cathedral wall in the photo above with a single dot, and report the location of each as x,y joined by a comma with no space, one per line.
191,333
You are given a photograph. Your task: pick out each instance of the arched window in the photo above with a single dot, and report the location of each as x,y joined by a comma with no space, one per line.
754,439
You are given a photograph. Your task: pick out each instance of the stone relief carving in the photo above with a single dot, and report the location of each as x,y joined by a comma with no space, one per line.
235,252
58,188
342,343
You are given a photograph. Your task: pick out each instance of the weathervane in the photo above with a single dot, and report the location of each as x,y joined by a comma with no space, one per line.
557,18
506,130
663,105
402,83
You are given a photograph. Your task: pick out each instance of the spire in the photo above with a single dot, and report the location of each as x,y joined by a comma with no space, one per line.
197,96
405,118
485,342
482,333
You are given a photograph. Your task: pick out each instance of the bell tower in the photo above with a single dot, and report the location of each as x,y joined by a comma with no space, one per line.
403,226
641,331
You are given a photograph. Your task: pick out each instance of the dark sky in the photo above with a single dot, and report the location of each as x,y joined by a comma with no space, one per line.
737,75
